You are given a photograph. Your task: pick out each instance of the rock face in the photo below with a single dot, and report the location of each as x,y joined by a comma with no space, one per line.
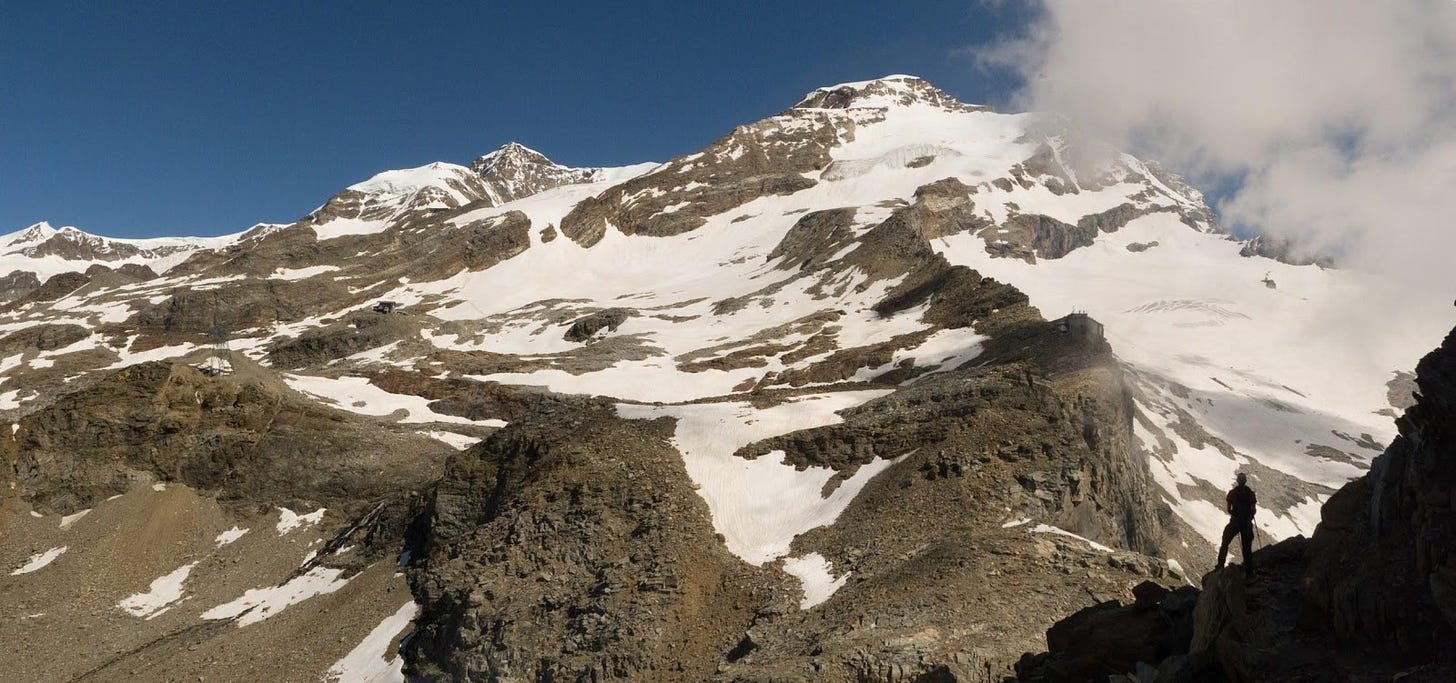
1368,597
569,546
1383,560
248,304
41,338
53,288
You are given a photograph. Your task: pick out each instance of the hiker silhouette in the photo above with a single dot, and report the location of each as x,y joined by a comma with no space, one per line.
1241,503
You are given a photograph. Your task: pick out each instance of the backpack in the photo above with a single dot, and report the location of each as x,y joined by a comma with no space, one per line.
1241,502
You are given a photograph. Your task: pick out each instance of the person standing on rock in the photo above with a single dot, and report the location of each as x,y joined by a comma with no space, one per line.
1241,502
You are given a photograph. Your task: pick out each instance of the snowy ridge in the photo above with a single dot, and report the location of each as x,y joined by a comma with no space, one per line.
47,251
407,182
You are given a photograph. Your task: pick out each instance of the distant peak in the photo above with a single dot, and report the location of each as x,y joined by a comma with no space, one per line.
511,153
38,232
896,90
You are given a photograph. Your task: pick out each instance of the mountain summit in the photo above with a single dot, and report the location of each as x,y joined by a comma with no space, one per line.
515,171
889,91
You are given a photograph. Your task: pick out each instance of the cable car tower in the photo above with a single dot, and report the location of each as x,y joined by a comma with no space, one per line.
221,360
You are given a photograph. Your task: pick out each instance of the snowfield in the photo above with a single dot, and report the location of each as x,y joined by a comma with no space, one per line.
760,505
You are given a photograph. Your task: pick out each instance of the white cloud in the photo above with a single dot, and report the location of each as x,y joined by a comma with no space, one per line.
1334,121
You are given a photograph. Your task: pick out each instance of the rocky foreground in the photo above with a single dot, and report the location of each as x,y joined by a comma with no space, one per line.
1371,596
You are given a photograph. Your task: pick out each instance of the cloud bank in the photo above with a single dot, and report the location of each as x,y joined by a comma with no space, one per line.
1331,122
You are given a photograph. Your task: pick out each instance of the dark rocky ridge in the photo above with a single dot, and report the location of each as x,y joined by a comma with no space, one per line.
570,546
246,436
1371,596
757,160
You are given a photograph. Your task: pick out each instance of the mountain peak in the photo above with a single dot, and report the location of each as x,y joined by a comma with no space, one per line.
511,154
896,90
34,234
515,170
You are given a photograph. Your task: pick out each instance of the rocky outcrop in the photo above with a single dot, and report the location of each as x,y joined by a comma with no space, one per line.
244,436
570,546
358,332
1285,250
476,245
17,284
1110,638
1050,409
586,327
815,237
55,287
1368,598
1048,237
47,337
244,304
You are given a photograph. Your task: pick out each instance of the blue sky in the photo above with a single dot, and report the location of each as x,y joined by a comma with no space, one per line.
204,118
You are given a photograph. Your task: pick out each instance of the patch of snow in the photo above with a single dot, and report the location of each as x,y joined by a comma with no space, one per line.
39,560
1049,529
760,505
456,441
367,662
158,598
815,577
230,535
301,273
258,604
357,395
289,520
68,520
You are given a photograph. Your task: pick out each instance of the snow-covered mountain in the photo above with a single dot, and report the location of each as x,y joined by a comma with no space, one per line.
878,249
45,251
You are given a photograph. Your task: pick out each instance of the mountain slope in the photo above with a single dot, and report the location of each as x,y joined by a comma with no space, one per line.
848,326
